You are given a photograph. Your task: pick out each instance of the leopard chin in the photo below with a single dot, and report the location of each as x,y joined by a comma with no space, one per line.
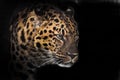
65,65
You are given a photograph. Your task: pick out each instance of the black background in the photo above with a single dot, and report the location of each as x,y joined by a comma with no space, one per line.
98,46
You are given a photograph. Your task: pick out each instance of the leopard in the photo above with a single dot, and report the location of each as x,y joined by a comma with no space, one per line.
41,35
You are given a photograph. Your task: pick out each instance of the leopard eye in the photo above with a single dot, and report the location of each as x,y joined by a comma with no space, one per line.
60,36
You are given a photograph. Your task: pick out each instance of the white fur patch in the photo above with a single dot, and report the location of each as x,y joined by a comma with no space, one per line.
65,65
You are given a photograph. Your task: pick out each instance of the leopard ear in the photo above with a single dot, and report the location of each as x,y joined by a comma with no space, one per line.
70,11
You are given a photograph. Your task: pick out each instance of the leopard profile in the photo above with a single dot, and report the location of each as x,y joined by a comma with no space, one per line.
42,35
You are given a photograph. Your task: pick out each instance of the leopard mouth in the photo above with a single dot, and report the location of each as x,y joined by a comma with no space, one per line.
69,61
65,61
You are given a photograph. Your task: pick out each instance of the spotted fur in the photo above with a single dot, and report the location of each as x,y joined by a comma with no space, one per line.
42,35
